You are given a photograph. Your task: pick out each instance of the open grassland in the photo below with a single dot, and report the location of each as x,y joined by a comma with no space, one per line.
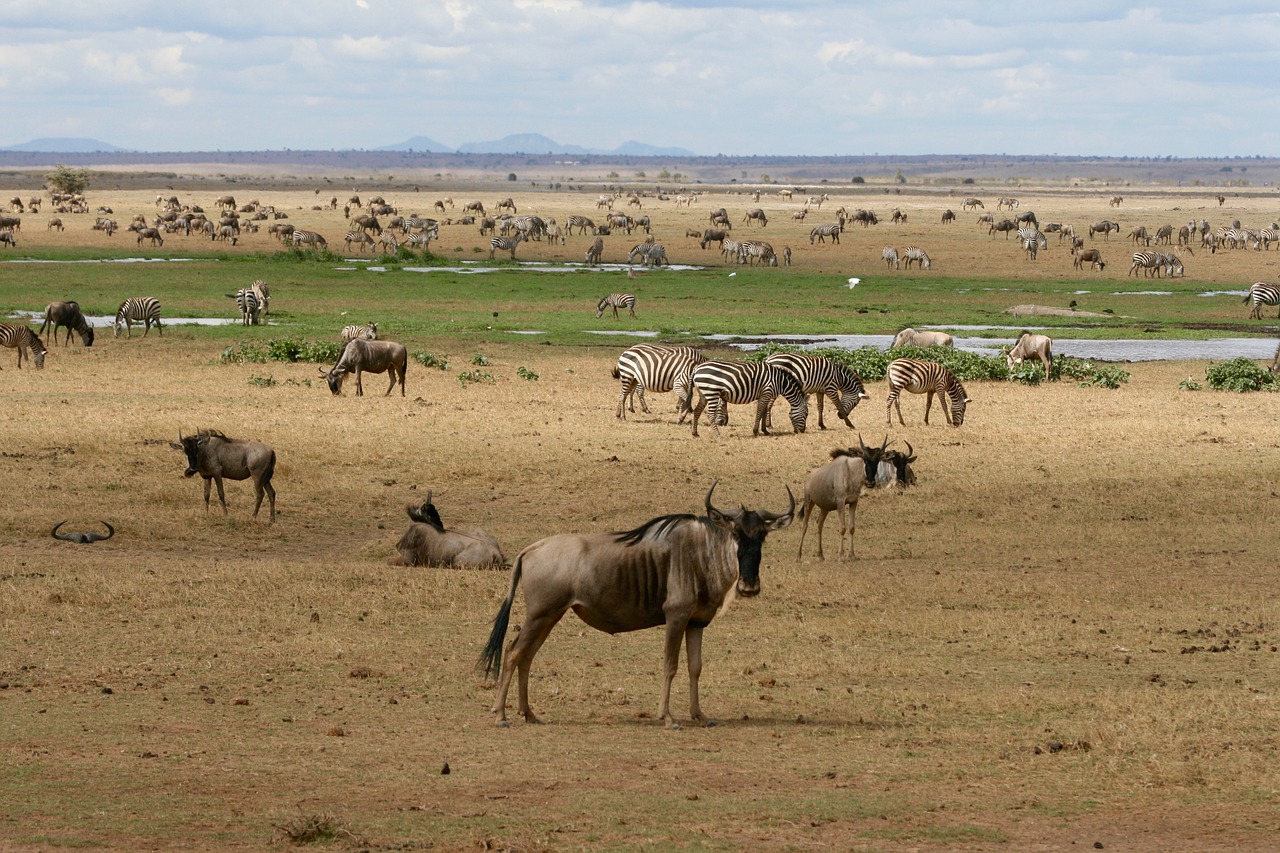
1065,634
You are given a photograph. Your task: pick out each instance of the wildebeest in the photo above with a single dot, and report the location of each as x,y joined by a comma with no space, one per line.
215,456
895,468
66,314
361,356
1092,257
909,337
1104,227
1032,346
680,571
836,486
1008,226
83,538
426,542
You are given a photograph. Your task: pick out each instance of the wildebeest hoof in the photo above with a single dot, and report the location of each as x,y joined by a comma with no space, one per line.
504,724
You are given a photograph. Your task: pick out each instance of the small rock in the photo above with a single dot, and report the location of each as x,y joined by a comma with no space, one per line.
444,771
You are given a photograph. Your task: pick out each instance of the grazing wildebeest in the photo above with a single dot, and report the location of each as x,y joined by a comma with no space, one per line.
836,486
427,542
362,356
214,456
82,538
675,570
1092,257
1032,346
909,337
66,314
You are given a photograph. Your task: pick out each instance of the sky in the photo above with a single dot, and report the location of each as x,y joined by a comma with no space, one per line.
804,77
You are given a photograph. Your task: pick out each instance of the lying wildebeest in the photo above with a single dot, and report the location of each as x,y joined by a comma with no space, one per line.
675,570
909,337
836,486
895,468
1032,346
82,538
361,356
426,542
213,456
66,314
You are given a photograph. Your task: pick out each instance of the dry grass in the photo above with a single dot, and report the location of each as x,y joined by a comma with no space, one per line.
1065,634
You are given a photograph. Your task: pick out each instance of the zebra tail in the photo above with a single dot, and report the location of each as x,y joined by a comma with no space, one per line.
490,661
1246,296
615,373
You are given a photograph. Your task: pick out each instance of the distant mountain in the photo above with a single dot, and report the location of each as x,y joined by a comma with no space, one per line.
536,143
65,145
418,143
643,149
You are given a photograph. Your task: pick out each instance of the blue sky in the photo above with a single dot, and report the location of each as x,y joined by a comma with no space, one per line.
808,77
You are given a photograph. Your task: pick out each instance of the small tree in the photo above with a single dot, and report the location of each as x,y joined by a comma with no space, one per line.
64,179
511,176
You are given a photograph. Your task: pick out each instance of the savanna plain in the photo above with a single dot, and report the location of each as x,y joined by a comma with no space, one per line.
1063,637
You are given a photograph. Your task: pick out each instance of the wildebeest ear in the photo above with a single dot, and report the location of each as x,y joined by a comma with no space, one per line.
718,517
777,522
175,445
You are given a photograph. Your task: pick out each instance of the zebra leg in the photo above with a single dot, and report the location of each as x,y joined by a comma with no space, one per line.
623,393
928,401
644,407
821,400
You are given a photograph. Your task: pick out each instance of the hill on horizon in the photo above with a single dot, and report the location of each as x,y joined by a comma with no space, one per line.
65,144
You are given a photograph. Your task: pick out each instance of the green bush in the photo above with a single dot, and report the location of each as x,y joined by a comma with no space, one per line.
282,349
1241,375
429,359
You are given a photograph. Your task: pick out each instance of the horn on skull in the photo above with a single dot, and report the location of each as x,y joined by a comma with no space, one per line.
911,454
98,537
65,537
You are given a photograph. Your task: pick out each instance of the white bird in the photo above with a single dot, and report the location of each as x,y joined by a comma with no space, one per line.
853,282
732,274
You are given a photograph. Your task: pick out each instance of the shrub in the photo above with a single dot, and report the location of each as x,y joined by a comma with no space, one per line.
526,374
282,349
1241,375
468,377
429,359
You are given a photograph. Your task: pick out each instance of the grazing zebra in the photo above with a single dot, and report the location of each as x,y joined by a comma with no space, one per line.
616,301
419,223
823,231
723,382
731,249
917,255
758,251
308,238
655,368
582,223
1262,293
595,251
1156,263
651,254
1266,237
423,238
138,309
506,244
369,332
891,259
360,238
823,378
925,377
1006,202
247,302
260,289
971,203
20,337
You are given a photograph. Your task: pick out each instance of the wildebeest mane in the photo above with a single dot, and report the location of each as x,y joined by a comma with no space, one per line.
426,514
654,528
214,433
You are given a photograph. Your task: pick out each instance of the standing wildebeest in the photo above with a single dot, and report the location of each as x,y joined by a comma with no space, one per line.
1105,227
67,314
214,456
1008,226
837,485
909,337
1092,257
426,542
679,571
1032,346
362,356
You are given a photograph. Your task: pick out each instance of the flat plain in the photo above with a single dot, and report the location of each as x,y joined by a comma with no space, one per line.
1064,635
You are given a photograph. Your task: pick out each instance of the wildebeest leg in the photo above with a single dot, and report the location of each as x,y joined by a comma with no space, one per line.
264,487
846,527
806,511
222,497
520,651
208,483
822,520
670,665
359,386
693,651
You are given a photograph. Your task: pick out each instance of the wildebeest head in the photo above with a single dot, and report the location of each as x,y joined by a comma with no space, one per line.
191,445
870,456
426,514
901,463
749,528
82,538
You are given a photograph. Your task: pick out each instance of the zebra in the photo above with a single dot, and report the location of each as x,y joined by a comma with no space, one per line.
651,254
731,249
1262,293
360,238
891,259
723,382
582,223
260,289
823,378
308,238
423,238
656,368
506,244
1032,241
20,337
368,332
823,231
138,309
758,250
247,302
419,223
616,301
920,256
925,377
595,251
1150,262
1267,236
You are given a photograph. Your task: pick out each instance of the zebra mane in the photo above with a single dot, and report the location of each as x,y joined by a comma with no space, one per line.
655,528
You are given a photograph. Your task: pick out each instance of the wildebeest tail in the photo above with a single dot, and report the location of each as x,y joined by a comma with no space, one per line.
491,658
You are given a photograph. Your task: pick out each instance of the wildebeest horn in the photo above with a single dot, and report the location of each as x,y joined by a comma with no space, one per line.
98,537
911,454
65,537
711,510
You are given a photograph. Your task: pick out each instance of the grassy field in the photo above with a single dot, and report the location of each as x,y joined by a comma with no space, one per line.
1066,634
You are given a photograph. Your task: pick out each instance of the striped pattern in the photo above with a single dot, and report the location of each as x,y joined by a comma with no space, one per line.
1156,263
823,378
616,301
423,238
368,332
582,223
758,251
20,337
250,307
925,377
891,259
655,368
505,244
138,309
360,238
650,254
722,382
914,254
1262,293
309,238
822,232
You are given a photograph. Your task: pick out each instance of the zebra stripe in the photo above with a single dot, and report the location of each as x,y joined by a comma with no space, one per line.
1152,263
423,238
309,238
731,248
247,302
723,382
260,289
506,244
1262,293
20,337
758,251
582,223
138,309
369,332
656,368
823,378
917,255
891,259
650,254
360,238
924,377
616,301
823,231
